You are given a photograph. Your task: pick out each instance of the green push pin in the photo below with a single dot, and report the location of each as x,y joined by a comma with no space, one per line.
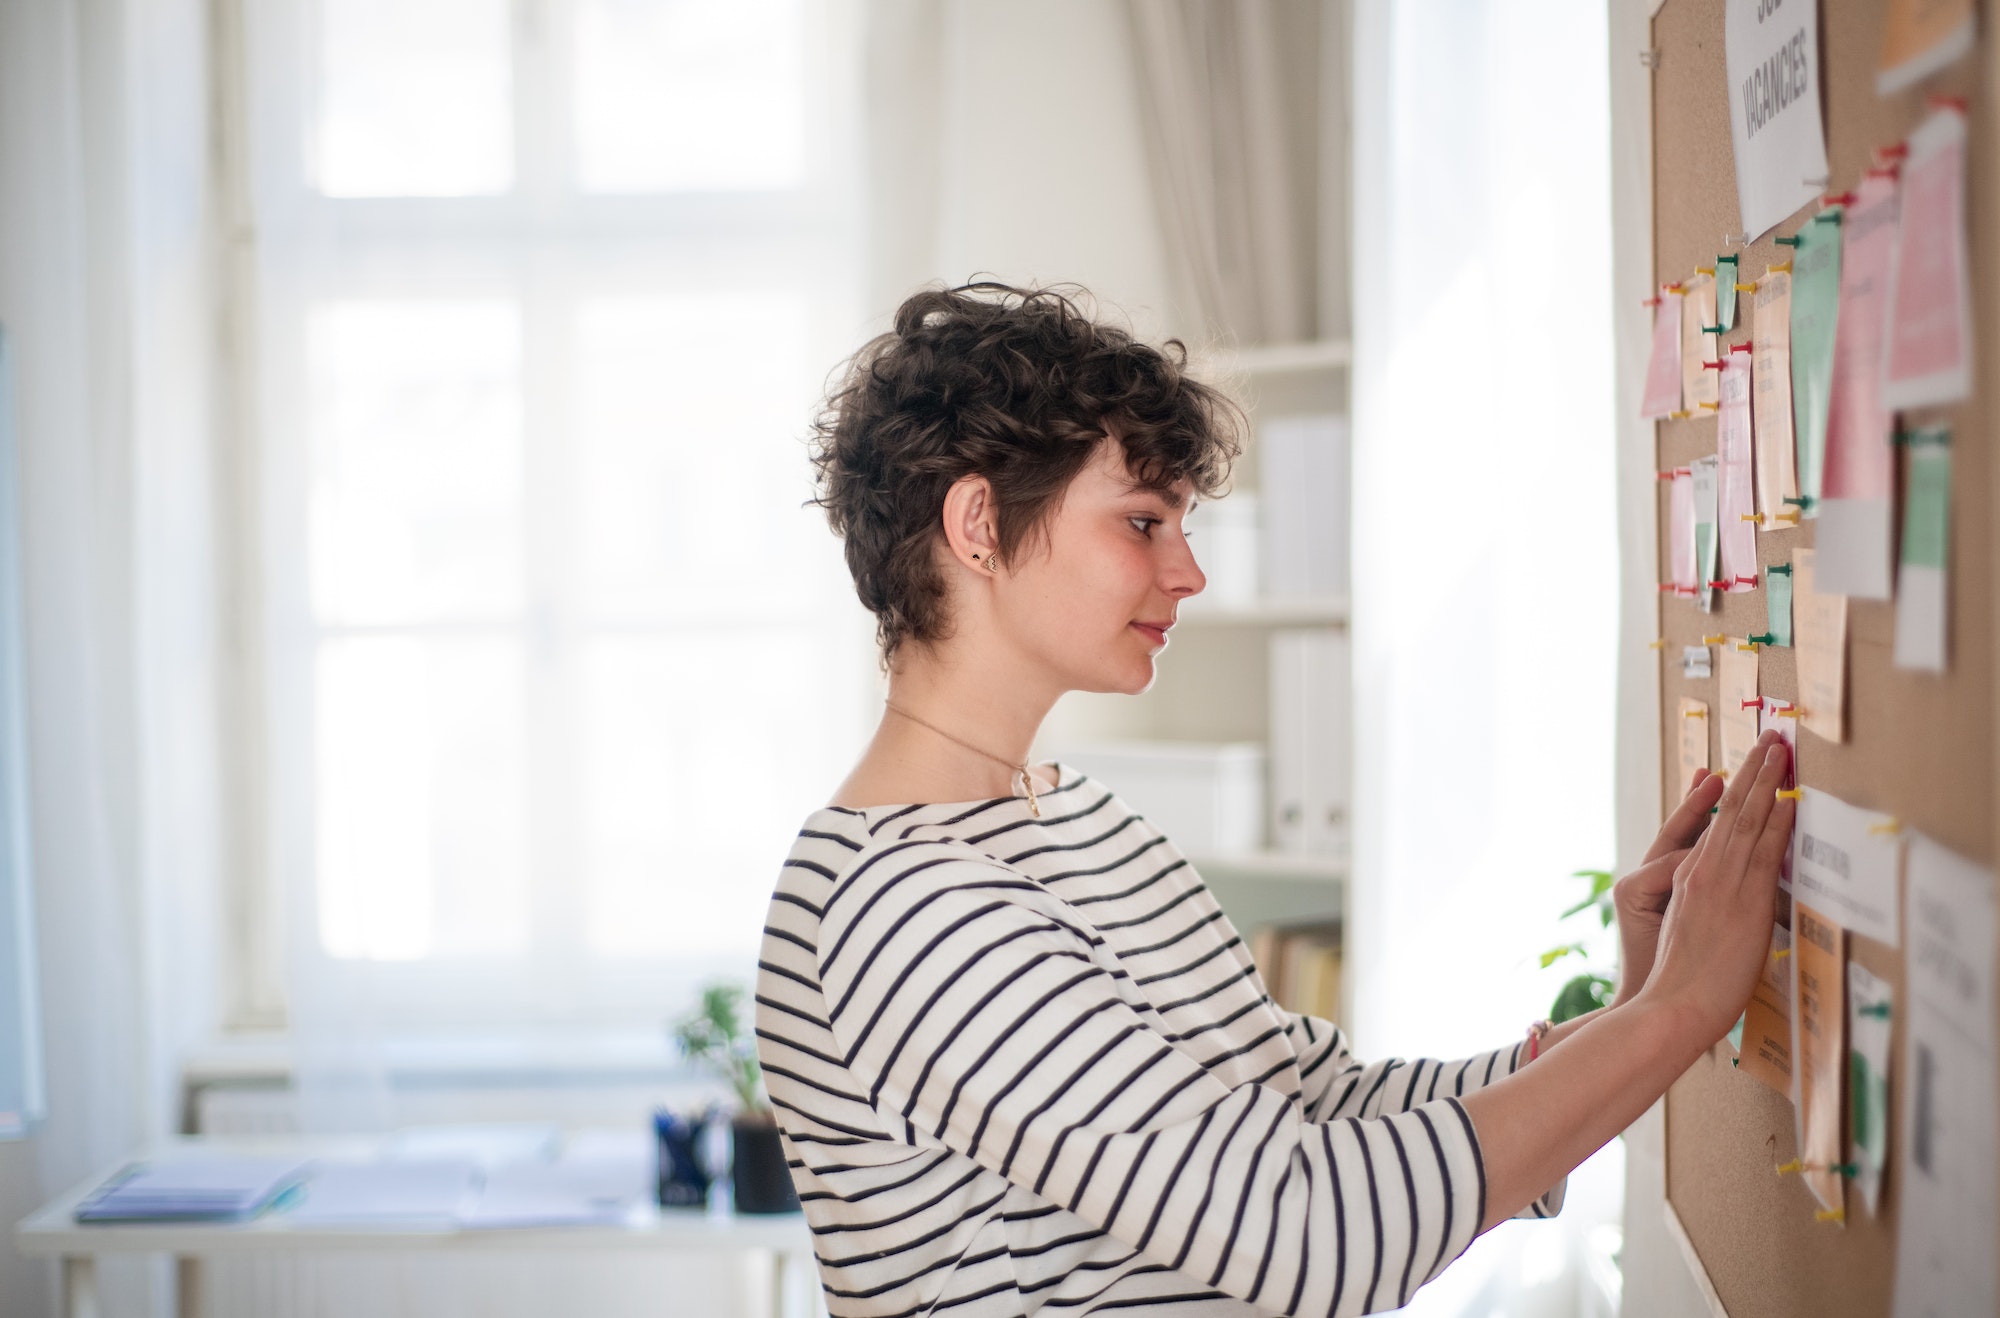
1781,569
1801,501
1763,638
1788,242
1878,1010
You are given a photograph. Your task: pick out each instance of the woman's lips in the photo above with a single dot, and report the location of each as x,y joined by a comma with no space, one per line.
1154,634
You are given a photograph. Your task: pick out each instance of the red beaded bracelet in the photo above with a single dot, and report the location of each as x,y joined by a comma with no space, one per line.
1535,1033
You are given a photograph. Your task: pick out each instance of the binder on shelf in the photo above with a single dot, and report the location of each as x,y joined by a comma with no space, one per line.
1303,476
1300,964
1207,797
1310,727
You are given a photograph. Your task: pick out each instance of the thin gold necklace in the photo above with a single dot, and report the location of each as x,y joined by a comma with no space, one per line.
1034,806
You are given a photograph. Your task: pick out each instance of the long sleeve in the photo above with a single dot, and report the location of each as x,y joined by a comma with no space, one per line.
983,1018
1335,1085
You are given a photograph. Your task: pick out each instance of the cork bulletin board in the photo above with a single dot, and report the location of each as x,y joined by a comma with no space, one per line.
1919,746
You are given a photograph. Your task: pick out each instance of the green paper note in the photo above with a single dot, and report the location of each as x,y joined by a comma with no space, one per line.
1736,1035
1928,501
1778,606
1815,309
1706,542
1725,292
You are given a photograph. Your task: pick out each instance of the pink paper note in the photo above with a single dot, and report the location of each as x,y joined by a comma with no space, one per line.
1680,532
1732,444
1663,367
1928,358
1857,492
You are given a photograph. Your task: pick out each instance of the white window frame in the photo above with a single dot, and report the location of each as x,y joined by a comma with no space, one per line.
287,247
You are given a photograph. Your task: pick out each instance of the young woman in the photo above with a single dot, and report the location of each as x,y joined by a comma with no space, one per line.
1019,1056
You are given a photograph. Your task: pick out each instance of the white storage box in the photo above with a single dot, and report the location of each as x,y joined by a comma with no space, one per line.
1208,797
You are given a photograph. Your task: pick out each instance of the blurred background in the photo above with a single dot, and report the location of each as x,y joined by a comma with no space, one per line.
422,659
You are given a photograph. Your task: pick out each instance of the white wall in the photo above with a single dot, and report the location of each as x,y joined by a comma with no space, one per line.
1020,155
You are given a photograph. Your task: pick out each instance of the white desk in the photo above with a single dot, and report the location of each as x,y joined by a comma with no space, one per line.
53,1231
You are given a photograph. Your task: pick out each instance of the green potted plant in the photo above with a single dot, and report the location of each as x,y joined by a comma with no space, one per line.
1589,990
713,1036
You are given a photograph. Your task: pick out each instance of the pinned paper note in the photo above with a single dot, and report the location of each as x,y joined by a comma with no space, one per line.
1870,1001
1698,349
1771,399
1919,37
1815,315
1662,397
1819,1053
1694,740
1694,663
1947,1171
1820,623
1772,54
1735,497
1856,548
1778,604
1740,706
1725,292
1845,861
1681,554
1705,539
1922,583
1766,1049
1928,357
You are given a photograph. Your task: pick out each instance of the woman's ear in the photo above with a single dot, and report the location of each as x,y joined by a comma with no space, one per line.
969,524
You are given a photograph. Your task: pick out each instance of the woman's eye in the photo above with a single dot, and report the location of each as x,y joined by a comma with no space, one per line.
1145,524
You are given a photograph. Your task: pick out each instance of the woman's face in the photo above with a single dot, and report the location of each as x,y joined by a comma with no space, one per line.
1118,558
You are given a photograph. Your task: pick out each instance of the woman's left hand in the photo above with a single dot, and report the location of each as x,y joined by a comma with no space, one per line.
1640,898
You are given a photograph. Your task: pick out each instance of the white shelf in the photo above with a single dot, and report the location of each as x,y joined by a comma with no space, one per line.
1285,358
1330,612
1274,865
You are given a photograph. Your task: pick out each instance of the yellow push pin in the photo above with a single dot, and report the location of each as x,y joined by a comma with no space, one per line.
1713,640
1707,407
1795,1165
1793,712
1830,1215
1751,646
1782,268
1750,517
1791,794
1694,713
1888,826
1780,955
1659,644
1746,288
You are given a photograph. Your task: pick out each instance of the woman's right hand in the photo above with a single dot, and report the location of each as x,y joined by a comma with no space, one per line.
1717,929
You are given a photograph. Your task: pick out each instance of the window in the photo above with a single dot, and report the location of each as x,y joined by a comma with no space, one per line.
556,660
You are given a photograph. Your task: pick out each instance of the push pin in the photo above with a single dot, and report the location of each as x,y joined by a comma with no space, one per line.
1713,640
1764,638
1887,826
1789,794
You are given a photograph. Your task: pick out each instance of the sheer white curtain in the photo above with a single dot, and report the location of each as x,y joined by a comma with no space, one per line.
1485,548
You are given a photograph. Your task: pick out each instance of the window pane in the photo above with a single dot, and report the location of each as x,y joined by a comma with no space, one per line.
690,94
701,758
692,465
422,849
415,482
415,98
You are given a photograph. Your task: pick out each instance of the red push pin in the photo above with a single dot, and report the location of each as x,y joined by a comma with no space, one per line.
1758,703
1838,199
1740,347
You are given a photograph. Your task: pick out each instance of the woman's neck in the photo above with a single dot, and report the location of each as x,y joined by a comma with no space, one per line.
947,733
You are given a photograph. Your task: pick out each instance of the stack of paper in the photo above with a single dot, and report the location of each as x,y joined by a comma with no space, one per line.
388,1194
195,1188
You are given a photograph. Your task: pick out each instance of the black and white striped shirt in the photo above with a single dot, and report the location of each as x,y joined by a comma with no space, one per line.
1023,1063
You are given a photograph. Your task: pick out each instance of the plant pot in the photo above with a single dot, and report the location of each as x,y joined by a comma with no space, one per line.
757,1170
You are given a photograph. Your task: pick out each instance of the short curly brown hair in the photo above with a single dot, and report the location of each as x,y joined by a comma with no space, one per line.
1014,384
